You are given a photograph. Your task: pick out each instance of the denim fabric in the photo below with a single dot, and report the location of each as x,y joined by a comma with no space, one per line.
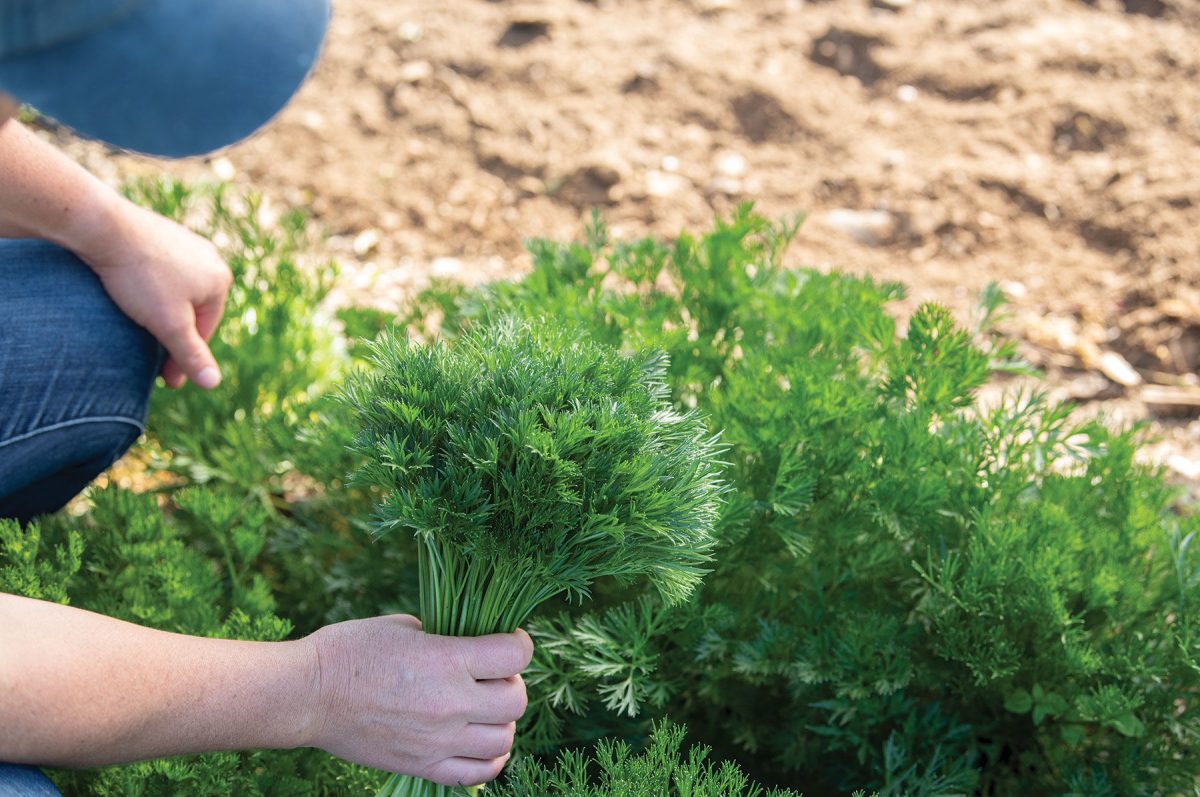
75,378
168,77
25,782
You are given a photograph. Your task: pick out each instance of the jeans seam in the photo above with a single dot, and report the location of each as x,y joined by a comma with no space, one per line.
75,422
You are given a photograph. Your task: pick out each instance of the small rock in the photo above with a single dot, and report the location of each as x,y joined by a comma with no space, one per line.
663,184
415,71
670,164
223,169
731,164
1118,369
410,32
366,242
1014,290
907,93
870,227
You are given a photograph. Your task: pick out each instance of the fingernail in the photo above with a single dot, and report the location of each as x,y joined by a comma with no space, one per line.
208,378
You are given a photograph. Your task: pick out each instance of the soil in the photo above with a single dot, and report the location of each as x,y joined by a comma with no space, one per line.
1046,145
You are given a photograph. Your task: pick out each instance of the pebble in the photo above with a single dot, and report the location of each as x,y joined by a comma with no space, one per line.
415,71
446,266
366,242
223,169
1118,369
870,227
662,184
731,164
1014,290
410,32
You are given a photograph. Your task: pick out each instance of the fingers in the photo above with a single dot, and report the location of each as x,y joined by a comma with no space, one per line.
190,353
496,655
172,374
208,316
486,742
466,771
499,701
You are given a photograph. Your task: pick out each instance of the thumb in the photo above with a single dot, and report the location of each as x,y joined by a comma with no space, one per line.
192,356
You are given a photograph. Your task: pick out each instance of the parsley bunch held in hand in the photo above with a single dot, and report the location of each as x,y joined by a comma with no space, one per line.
528,463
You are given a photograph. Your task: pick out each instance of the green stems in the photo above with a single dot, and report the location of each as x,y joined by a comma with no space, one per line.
405,786
474,596
467,596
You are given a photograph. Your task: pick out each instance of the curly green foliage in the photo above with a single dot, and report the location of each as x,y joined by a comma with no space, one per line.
529,463
910,592
663,769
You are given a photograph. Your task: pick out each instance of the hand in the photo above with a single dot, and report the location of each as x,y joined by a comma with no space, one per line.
440,708
164,277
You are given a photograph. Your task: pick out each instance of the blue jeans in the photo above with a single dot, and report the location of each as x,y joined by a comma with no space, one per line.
25,782
75,378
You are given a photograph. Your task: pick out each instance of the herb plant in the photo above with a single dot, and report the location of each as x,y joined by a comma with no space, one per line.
661,770
910,593
528,463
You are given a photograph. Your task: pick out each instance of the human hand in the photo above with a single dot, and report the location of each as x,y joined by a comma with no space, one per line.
437,707
164,277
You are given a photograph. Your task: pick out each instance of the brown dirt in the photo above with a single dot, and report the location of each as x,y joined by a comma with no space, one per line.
1048,145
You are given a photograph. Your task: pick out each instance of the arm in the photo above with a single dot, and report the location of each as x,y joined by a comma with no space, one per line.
164,277
80,689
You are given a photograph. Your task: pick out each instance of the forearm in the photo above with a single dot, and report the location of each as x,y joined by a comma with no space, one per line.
81,689
43,193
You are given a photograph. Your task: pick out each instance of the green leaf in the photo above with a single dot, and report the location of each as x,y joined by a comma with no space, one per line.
1128,725
1073,735
1018,702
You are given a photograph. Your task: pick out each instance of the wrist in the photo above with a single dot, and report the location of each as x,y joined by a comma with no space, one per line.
92,221
299,718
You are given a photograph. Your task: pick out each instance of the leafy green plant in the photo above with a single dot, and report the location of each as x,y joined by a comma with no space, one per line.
911,592
908,592
661,770
278,354
270,432
528,463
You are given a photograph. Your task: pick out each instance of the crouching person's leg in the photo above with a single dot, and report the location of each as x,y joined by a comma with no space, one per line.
75,378
25,782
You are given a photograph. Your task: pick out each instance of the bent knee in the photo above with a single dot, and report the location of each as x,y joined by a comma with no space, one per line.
41,471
